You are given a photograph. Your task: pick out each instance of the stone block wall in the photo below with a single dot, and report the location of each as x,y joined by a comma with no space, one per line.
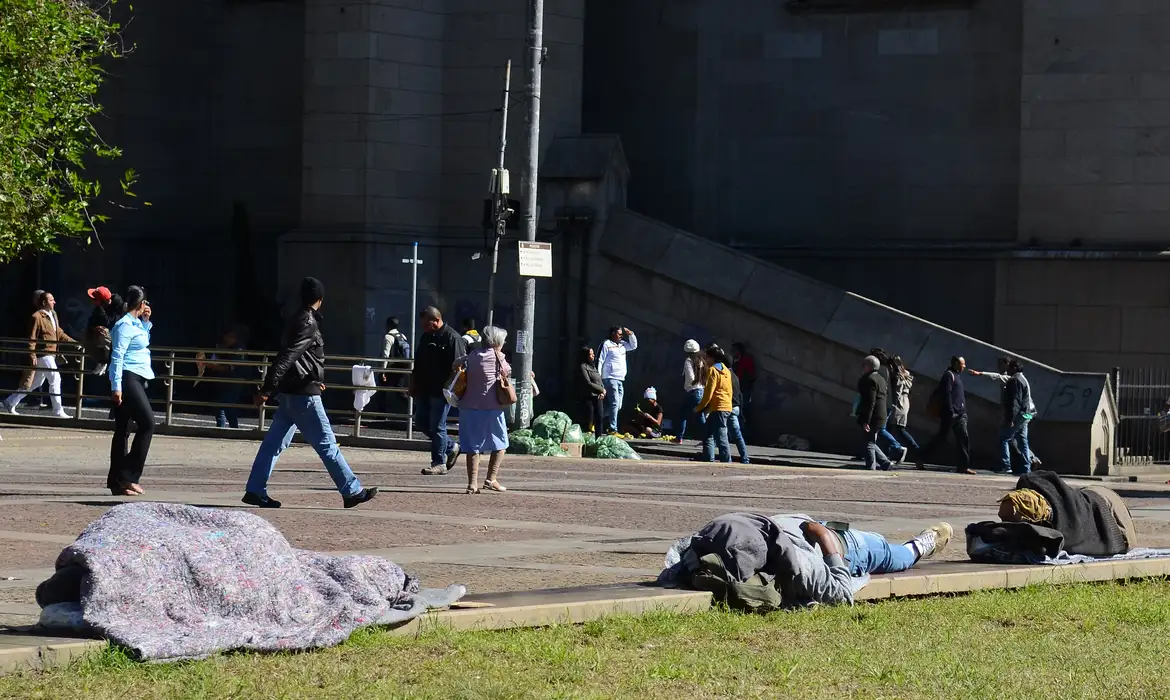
1095,122
1086,315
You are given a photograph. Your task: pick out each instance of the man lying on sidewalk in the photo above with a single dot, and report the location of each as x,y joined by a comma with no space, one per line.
756,562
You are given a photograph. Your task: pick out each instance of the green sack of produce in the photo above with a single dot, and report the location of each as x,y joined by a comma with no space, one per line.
609,447
574,435
542,447
521,442
551,426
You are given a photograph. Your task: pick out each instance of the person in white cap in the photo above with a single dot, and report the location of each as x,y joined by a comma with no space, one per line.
647,419
693,373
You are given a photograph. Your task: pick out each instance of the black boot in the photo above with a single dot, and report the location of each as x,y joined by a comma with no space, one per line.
259,501
360,497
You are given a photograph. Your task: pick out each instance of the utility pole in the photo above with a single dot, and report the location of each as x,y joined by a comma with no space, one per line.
500,189
525,339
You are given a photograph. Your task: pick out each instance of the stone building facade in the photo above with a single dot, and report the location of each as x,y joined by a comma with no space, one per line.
1000,167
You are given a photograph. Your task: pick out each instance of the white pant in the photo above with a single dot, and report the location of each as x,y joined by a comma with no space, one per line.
46,372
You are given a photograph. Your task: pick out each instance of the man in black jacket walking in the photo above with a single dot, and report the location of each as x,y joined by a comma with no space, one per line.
951,399
297,377
439,348
872,412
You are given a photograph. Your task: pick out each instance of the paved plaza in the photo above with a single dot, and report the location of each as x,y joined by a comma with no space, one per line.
564,522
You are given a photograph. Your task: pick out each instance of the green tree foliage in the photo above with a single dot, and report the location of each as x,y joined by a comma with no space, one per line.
51,56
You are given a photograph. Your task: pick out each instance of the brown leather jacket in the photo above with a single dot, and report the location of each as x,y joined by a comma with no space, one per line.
45,334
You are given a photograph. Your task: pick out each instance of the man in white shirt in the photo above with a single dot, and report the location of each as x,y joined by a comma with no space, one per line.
612,363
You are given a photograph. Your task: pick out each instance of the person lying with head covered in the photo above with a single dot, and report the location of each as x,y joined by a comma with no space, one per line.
758,562
1044,516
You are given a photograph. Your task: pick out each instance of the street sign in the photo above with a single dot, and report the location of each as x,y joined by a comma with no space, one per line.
535,259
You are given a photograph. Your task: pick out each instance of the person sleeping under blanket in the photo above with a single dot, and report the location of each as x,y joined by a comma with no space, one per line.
1044,516
759,563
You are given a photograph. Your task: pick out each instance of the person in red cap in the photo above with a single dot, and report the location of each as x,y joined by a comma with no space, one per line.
107,309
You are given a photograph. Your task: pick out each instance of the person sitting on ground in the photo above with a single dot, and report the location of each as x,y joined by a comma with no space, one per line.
647,419
760,562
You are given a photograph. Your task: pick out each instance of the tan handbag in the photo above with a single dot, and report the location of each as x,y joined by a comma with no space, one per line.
505,392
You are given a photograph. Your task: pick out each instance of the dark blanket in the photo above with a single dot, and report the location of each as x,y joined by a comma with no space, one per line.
990,542
1084,518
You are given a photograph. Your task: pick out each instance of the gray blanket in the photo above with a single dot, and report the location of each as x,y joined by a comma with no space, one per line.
171,582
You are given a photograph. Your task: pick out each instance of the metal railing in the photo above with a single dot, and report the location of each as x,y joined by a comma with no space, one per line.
74,362
1143,396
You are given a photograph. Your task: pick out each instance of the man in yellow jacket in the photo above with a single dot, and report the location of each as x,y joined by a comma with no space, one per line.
717,404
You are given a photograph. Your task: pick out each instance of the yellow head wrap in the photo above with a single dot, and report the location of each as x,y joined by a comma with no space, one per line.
1024,506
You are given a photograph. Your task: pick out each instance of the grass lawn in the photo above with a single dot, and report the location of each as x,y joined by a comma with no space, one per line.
1086,641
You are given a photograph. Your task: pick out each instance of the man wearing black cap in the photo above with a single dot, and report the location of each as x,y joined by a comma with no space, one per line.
296,377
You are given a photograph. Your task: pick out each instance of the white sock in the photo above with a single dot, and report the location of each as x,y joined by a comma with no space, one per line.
912,545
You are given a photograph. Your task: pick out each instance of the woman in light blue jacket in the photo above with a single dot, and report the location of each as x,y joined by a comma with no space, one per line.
129,373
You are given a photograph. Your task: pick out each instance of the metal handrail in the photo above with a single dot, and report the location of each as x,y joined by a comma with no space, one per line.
260,360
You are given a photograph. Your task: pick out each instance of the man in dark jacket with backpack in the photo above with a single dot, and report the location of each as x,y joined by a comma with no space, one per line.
872,411
297,376
949,403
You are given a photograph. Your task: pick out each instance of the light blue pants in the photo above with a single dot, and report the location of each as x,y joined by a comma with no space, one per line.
1016,432
614,392
716,437
735,434
308,414
870,553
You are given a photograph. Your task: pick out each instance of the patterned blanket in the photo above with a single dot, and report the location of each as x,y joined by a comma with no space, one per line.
170,581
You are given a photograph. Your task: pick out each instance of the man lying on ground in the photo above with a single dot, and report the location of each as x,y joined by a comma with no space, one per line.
756,562
1044,516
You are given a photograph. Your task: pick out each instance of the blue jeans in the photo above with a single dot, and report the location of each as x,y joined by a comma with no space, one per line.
907,438
614,392
735,433
1017,432
886,435
717,434
694,396
870,553
308,414
431,412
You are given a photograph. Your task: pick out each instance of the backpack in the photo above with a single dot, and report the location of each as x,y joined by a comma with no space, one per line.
400,350
934,405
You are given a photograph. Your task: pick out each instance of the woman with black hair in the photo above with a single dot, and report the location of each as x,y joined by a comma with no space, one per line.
589,393
129,373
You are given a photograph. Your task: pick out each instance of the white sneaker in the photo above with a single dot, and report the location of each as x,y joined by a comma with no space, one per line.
933,540
10,408
902,455
62,414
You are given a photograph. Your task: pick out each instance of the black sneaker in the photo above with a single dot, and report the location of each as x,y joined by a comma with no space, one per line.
360,497
259,501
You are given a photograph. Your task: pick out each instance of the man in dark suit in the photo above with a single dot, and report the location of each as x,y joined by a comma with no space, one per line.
872,412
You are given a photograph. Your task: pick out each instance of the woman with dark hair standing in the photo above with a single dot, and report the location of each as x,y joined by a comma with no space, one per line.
590,393
129,372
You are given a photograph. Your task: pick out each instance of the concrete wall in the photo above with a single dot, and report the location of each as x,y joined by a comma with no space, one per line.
809,339
812,128
1095,121
1086,315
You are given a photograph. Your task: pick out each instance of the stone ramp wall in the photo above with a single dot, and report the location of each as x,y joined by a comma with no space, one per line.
809,338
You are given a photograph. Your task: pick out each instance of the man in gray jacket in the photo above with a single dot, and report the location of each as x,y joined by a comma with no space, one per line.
1015,426
803,560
